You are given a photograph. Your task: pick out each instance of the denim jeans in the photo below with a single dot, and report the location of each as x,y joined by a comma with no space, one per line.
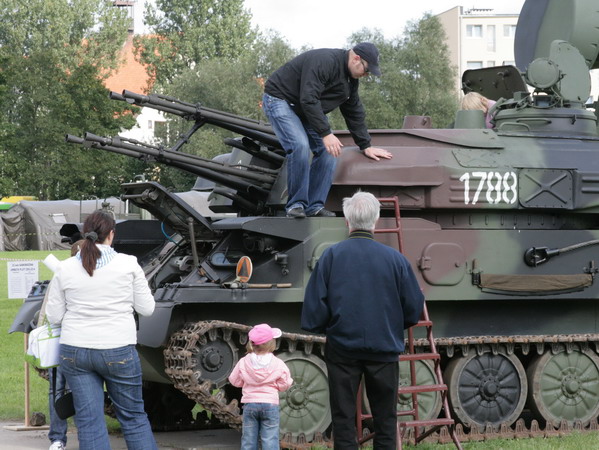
58,426
308,183
260,425
86,371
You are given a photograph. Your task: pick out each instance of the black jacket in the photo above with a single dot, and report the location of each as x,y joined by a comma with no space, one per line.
315,83
362,308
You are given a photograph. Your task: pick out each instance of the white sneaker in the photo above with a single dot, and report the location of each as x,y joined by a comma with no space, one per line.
57,445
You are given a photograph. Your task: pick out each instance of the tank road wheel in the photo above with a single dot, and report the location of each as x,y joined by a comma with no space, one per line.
214,360
305,405
486,389
565,386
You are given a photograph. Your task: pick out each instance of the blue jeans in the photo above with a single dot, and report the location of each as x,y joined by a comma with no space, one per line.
260,424
86,371
58,426
308,183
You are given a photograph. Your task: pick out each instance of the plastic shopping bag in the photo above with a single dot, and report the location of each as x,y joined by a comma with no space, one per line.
44,347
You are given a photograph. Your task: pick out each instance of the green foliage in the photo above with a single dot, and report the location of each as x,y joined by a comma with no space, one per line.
185,33
270,51
54,58
233,84
63,33
417,77
428,68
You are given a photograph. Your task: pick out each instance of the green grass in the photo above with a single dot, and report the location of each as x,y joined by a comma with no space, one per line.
574,441
12,375
12,393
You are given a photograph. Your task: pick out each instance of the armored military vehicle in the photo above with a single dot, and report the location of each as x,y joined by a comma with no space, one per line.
500,225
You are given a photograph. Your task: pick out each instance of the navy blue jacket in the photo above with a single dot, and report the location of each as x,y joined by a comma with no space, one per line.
362,295
314,84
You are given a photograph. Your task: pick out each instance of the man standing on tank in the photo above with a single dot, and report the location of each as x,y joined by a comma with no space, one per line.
362,308
297,97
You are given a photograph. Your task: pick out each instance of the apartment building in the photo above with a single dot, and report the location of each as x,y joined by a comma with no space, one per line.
478,38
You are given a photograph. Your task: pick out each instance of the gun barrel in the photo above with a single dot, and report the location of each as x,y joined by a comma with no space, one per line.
231,122
230,177
110,148
268,139
191,160
73,139
95,138
116,96
144,100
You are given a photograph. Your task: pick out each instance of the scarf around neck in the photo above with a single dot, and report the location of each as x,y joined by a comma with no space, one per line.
107,254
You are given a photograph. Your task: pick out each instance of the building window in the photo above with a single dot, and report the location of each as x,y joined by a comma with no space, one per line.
150,124
474,31
509,31
490,63
490,38
474,65
509,63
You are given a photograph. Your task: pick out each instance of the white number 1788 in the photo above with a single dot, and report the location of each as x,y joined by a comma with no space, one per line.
497,187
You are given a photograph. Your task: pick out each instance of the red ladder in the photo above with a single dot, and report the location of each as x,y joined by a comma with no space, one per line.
422,428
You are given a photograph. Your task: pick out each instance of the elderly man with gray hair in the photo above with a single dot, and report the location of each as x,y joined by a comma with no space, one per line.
362,295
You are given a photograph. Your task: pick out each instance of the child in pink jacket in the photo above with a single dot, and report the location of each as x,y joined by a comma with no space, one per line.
261,375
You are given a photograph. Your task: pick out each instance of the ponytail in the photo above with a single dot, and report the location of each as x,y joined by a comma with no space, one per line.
96,229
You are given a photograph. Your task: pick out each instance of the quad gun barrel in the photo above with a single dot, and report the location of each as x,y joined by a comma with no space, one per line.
247,185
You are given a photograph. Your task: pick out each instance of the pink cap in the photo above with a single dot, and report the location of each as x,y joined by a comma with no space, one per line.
263,333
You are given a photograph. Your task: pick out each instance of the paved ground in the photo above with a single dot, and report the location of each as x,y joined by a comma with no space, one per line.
179,440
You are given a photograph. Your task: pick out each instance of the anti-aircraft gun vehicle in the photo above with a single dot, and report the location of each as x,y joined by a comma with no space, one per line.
501,226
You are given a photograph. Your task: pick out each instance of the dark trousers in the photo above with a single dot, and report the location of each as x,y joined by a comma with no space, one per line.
381,380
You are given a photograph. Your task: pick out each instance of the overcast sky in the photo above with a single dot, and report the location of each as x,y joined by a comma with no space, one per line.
328,23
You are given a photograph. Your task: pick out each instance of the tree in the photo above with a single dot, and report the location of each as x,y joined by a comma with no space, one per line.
6,128
417,77
188,32
54,57
427,66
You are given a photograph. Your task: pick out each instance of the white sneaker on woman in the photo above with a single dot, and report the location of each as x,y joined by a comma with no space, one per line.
57,445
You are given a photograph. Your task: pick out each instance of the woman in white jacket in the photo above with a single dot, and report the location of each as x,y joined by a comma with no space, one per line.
94,295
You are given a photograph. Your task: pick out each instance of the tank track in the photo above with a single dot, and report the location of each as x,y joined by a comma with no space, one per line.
521,429
182,350
179,363
510,343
